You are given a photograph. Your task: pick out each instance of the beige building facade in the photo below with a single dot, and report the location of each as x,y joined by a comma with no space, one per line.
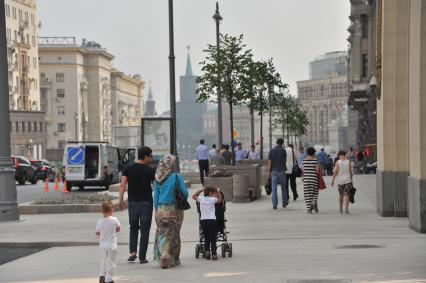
22,54
127,99
75,90
324,101
401,113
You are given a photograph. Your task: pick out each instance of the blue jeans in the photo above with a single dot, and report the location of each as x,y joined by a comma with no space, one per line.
279,178
140,217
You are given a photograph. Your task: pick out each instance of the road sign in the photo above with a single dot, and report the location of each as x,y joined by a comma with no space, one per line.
75,156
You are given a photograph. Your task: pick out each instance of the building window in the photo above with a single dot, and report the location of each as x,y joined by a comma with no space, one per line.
34,62
23,126
364,26
16,36
26,16
60,77
32,19
41,126
61,144
35,126
14,12
7,10
61,127
33,40
20,14
28,40
61,110
17,126
60,93
29,127
364,66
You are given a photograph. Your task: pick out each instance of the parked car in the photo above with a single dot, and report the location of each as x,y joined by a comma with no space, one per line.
371,168
44,170
24,171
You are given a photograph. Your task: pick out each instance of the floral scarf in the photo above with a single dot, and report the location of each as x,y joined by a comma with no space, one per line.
166,166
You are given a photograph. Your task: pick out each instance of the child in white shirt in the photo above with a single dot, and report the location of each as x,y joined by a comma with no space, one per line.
207,202
107,228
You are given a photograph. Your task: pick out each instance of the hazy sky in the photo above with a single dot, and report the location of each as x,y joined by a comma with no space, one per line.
136,32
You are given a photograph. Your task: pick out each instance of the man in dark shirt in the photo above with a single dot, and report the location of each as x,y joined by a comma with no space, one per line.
139,177
277,170
227,155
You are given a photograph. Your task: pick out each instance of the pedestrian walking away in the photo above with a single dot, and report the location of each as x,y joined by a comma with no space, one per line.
107,229
302,156
290,174
139,177
343,173
169,219
322,158
277,168
208,222
203,160
212,151
329,163
310,174
227,155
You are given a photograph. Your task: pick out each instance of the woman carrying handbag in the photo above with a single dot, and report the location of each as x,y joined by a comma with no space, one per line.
310,173
170,200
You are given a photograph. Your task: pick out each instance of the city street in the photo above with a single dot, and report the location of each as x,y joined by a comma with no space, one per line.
284,245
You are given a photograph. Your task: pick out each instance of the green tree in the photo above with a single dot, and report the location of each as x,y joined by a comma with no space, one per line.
226,70
262,82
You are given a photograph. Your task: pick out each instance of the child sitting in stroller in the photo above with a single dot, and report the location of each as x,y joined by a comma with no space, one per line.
208,222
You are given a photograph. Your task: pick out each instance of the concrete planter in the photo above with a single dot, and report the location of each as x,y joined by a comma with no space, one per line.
241,189
252,170
29,208
223,183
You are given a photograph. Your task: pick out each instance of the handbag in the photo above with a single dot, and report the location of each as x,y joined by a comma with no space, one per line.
181,202
321,182
352,192
268,186
296,169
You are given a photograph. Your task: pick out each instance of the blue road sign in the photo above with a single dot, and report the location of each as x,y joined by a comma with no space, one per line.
75,156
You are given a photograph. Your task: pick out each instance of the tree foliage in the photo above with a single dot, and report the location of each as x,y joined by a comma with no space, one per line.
289,114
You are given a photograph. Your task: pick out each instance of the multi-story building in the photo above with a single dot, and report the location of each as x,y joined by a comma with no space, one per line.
75,90
127,98
324,96
362,81
27,121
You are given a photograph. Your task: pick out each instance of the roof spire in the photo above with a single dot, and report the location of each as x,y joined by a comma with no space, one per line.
188,63
150,95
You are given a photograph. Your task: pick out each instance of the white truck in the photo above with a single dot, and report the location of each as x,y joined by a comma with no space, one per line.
91,164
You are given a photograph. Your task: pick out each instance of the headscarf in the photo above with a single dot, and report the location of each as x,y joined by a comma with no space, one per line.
166,166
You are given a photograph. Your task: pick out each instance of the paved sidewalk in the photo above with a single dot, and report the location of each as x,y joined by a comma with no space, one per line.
283,245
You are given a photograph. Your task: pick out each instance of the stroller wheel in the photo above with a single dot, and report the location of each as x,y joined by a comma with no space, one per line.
197,251
230,250
223,248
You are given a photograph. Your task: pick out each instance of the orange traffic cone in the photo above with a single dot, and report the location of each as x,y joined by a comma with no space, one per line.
64,190
56,187
46,186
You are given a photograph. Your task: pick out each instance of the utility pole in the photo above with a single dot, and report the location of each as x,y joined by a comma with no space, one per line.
172,80
218,18
8,197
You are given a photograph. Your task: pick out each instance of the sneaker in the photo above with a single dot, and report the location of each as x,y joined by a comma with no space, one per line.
101,279
132,258
309,211
347,211
143,261
214,257
341,211
274,207
177,261
295,197
207,255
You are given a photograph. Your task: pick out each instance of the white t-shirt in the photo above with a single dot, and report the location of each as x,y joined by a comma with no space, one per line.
207,207
107,228
344,175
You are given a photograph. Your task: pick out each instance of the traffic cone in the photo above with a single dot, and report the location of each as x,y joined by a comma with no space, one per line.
56,187
46,186
64,190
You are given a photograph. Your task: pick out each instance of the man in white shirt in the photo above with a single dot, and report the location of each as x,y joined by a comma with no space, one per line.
203,160
212,152
292,157
253,154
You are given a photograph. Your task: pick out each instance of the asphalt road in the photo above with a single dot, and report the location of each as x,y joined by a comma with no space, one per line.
35,192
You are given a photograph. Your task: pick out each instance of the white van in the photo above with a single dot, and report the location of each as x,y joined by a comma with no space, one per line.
90,164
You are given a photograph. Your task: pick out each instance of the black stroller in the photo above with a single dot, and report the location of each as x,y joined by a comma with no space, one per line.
221,236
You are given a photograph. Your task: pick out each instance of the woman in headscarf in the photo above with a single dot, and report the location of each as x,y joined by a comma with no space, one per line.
168,218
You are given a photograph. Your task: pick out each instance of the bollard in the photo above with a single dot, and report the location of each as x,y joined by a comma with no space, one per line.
46,185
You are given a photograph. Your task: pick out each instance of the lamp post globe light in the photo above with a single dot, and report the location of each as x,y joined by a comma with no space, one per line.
8,196
218,18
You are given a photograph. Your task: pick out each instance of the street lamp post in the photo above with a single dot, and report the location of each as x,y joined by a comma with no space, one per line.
172,80
218,18
76,126
8,196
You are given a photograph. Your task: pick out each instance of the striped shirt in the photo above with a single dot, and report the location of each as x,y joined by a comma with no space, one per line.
310,171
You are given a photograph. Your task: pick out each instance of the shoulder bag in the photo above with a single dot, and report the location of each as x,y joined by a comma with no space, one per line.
296,169
181,202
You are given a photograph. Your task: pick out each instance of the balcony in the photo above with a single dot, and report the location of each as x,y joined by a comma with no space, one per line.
23,25
45,82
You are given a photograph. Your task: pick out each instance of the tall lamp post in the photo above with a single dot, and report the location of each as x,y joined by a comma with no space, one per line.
218,18
172,80
76,126
8,196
